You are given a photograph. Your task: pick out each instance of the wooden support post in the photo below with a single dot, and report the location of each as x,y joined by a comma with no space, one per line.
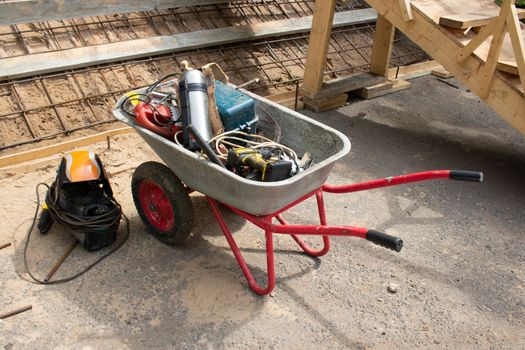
516,37
495,48
318,47
406,9
382,47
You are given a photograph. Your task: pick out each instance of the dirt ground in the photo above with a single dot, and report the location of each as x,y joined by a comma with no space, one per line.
461,273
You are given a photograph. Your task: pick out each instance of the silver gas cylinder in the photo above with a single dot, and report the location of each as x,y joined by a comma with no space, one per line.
193,91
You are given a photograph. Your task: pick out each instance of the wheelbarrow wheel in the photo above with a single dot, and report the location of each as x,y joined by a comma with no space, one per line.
162,202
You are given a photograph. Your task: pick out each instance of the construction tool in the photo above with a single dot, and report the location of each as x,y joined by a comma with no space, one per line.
80,198
260,168
81,201
156,118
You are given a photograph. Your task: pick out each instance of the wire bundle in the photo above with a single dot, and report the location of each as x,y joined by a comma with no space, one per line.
109,220
234,139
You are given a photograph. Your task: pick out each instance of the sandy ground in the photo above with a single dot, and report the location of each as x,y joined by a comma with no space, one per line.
460,275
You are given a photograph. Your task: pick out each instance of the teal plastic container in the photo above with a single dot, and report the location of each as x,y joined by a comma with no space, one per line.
237,110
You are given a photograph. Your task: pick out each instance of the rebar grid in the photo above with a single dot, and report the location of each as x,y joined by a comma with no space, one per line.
43,107
278,63
23,39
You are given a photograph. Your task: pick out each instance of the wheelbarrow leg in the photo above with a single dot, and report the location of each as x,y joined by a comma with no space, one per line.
238,256
322,219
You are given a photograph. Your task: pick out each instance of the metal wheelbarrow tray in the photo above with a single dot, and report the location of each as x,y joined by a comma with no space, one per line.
325,145
262,202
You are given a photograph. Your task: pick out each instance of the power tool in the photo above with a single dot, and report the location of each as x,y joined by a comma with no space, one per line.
158,118
81,200
260,169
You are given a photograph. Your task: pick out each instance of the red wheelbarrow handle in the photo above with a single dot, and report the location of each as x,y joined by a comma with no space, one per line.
373,236
462,175
324,230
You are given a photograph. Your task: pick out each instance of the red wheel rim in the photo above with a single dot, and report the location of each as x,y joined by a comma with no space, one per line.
156,205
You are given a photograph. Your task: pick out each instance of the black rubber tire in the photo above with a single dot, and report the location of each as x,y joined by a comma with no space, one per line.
177,195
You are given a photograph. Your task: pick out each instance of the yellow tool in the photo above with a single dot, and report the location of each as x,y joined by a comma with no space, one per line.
250,158
262,169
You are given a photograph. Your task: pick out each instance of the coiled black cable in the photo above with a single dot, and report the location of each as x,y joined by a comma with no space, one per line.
108,221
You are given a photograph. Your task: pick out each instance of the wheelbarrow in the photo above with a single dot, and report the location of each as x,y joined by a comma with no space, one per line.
161,192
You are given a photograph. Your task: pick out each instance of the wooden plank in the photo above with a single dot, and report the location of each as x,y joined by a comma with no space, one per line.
406,9
338,86
516,37
28,11
382,46
510,67
325,104
382,89
30,65
60,147
473,19
438,8
288,100
441,73
414,70
318,46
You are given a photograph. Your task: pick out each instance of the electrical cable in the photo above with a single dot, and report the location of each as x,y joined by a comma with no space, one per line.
154,85
225,139
104,221
147,101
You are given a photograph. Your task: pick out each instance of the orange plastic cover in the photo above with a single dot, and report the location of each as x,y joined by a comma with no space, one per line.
82,166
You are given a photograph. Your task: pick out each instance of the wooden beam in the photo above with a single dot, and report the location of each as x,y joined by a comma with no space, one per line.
415,70
30,65
326,104
382,89
27,11
353,82
473,19
382,46
516,37
288,99
441,73
46,151
318,47
406,9
489,67
479,39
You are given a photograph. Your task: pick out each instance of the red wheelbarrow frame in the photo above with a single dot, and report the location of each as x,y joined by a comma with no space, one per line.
266,222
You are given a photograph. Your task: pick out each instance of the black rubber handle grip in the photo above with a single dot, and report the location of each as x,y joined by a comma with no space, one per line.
464,175
384,240
204,145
